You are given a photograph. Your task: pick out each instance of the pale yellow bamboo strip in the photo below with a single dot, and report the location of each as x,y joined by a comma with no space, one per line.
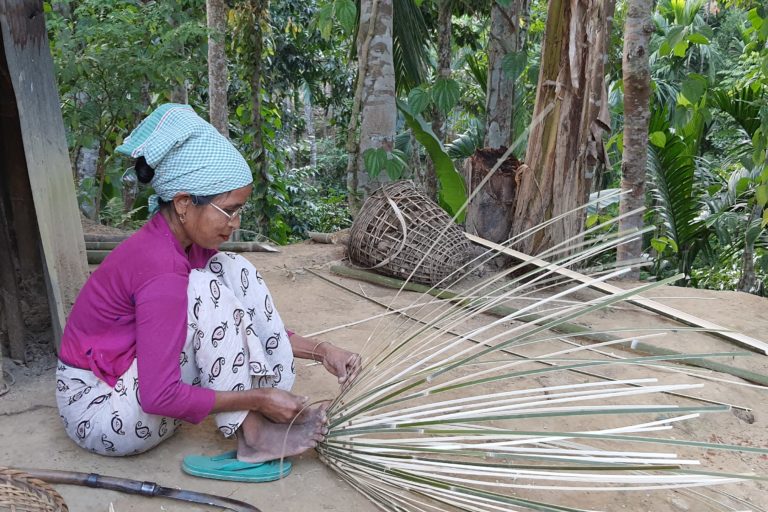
651,305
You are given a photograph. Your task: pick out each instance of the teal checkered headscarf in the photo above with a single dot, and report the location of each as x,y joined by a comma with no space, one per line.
187,154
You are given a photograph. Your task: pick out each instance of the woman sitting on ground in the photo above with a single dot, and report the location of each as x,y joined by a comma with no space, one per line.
169,329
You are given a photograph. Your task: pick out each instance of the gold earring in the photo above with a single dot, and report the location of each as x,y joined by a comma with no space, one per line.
182,217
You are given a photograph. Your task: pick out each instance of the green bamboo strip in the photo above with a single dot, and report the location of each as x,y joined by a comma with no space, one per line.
604,467
568,462
563,328
548,434
516,354
484,454
436,483
482,307
550,322
348,411
529,415
661,309
544,324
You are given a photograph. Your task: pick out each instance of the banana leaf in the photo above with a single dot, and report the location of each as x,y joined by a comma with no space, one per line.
452,193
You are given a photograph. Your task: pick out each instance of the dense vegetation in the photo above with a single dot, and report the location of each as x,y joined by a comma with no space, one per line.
707,176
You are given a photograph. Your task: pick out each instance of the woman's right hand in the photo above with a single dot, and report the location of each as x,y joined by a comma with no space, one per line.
278,405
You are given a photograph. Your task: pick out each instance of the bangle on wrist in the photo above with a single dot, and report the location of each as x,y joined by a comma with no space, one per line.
315,348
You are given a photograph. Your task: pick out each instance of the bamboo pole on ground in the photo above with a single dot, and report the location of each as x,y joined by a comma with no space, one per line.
226,246
98,251
338,237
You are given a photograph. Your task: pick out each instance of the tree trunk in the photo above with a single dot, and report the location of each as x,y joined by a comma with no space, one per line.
180,92
564,146
329,128
637,114
504,38
378,111
289,109
489,213
414,162
216,11
11,317
101,176
86,164
364,38
748,282
130,189
443,71
258,9
310,129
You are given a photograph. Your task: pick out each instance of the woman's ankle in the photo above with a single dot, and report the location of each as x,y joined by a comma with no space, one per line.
251,429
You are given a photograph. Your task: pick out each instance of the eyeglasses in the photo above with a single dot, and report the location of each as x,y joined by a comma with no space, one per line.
234,215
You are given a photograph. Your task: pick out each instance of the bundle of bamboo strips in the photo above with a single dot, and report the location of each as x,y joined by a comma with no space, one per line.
434,422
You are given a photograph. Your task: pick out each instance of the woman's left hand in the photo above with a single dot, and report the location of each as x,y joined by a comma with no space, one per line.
342,363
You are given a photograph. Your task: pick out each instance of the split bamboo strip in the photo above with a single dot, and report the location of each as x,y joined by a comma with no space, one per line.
533,279
565,328
651,305
508,351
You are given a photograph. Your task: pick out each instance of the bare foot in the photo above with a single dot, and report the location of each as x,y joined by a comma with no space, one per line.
260,440
309,414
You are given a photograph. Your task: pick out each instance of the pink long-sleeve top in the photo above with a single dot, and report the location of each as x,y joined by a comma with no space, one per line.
134,306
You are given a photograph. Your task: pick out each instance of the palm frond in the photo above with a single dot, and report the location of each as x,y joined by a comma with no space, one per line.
677,201
403,141
468,142
743,105
479,71
410,42
665,93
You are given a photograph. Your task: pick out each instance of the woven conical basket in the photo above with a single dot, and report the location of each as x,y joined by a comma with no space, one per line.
22,492
401,233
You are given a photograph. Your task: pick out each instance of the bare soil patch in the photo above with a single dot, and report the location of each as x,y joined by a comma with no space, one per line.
32,435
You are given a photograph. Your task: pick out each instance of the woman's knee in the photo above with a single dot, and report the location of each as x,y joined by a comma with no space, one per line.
235,271
207,292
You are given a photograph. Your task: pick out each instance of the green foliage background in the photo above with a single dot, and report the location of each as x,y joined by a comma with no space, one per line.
708,181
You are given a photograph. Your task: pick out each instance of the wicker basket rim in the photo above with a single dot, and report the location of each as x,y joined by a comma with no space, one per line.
20,489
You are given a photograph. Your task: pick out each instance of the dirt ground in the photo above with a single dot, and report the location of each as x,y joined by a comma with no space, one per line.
32,435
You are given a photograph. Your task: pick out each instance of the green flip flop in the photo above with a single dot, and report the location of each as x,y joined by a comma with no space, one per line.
225,466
